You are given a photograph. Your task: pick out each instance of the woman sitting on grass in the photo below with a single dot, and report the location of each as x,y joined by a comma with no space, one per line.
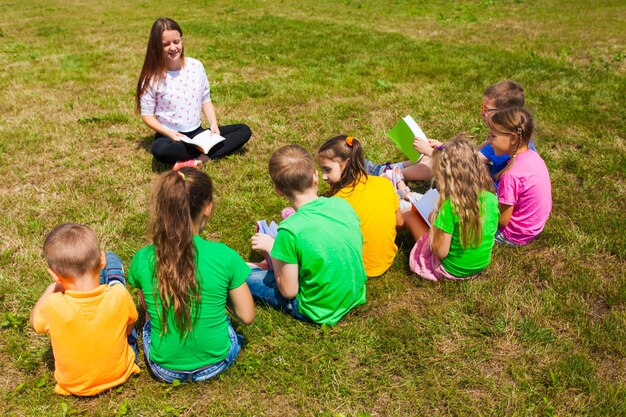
171,92
185,283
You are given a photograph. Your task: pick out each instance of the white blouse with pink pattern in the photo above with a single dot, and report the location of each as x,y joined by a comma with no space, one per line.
177,101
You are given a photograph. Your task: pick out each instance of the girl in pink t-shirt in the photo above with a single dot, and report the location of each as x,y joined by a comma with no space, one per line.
524,192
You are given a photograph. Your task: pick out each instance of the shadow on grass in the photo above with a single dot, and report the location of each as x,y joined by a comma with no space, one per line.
48,358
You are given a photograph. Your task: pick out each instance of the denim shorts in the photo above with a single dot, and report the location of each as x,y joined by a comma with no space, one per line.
200,374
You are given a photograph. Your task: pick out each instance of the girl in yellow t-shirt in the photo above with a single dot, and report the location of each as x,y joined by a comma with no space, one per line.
373,199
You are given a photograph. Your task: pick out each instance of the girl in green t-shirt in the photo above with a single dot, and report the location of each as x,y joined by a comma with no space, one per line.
464,221
185,283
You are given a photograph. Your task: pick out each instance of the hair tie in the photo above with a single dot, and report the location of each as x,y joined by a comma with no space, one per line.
349,140
441,147
182,176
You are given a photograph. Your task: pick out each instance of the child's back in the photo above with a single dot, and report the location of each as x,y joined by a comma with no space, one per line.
324,239
373,199
463,262
526,186
88,335
218,269
88,321
375,202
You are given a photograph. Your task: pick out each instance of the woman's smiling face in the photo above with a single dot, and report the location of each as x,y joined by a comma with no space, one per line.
172,48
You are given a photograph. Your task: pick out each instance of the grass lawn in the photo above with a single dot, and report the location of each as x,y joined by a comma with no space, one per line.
542,332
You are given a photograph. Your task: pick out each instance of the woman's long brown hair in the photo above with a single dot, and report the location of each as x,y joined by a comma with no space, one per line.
155,65
461,177
179,199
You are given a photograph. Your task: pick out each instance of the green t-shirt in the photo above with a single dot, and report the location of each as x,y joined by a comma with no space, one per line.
465,262
324,238
218,269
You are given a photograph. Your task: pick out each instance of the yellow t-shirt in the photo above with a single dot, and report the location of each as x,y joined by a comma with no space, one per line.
375,202
88,334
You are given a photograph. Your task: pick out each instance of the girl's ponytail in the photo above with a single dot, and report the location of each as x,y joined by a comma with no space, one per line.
348,150
178,199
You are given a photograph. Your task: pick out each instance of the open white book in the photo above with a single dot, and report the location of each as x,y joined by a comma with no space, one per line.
205,140
425,204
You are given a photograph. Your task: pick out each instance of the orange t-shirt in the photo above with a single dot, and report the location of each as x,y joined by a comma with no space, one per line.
375,202
88,334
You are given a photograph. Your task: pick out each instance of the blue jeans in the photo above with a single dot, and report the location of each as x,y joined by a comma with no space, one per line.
113,274
262,284
200,374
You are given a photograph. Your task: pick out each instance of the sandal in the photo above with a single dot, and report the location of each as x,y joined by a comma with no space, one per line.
191,163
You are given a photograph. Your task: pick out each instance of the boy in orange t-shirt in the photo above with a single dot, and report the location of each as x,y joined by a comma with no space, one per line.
87,312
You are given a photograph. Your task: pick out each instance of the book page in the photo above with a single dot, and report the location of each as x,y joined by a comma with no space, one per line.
426,203
412,124
205,140
270,229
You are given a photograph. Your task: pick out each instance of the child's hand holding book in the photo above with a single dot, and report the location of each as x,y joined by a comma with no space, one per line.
262,242
425,148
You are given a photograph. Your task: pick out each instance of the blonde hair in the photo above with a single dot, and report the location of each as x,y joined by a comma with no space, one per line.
291,169
72,250
461,178
178,199
506,94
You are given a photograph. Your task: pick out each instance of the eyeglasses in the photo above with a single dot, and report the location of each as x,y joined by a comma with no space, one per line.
484,109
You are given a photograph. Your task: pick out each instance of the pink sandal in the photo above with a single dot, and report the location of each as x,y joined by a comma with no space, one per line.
192,163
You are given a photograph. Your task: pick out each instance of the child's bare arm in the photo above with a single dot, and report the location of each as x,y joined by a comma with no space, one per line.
52,288
443,247
505,214
286,278
399,218
241,303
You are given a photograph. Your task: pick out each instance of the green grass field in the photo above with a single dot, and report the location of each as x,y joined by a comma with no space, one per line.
542,332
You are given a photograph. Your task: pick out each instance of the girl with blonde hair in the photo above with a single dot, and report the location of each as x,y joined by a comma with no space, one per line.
465,221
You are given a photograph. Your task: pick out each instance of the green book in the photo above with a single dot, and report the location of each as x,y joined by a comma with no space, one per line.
403,134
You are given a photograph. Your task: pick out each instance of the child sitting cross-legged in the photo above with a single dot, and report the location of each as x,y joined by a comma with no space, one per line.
187,282
525,191
318,274
87,312
373,199
464,223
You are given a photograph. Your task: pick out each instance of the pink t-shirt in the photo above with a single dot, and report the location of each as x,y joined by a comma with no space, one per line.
526,187
177,101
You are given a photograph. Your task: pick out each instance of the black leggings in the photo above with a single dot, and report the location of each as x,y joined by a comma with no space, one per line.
166,150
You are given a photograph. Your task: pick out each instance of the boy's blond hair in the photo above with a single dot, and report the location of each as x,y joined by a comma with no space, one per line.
292,168
72,250
506,94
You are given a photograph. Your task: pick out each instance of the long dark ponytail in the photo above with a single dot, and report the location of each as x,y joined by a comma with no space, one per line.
178,199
